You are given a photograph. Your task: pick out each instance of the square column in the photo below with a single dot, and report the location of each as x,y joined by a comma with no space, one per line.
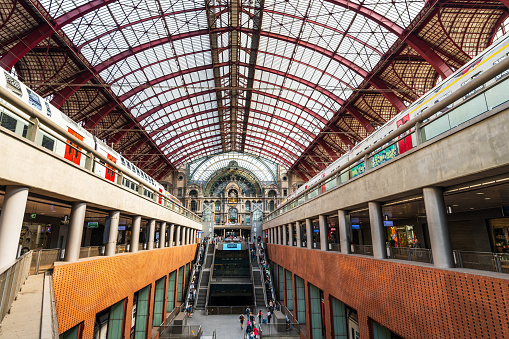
290,234
151,234
162,235
299,234
324,241
283,230
377,230
135,234
177,236
344,232
279,236
437,226
112,238
309,234
11,221
188,236
72,247
171,235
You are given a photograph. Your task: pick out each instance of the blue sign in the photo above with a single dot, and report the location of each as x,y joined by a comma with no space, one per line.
232,247
356,227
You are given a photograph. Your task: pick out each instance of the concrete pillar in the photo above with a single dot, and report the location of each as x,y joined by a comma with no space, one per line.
279,235
112,238
177,236
151,225
135,234
283,230
171,235
272,235
290,234
324,240
377,230
309,233
162,235
188,236
11,221
299,234
437,226
344,232
73,244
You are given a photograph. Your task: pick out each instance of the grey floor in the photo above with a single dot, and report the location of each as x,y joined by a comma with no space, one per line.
226,326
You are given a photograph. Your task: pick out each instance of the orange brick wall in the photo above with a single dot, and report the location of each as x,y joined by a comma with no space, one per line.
413,301
84,288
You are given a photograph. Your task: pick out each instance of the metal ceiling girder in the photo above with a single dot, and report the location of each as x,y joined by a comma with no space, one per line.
308,167
301,174
97,117
183,118
234,70
64,94
120,134
134,148
36,36
118,28
373,80
211,25
327,149
253,55
340,134
316,158
155,167
412,40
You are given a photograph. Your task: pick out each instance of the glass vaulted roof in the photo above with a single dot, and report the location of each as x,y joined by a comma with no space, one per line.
201,170
215,76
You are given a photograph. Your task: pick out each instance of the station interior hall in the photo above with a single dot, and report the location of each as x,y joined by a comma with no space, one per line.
247,169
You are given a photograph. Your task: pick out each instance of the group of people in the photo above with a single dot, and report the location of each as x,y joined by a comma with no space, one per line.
252,327
192,285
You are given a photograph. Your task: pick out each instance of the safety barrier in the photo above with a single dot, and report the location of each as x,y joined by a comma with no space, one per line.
11,280
180,331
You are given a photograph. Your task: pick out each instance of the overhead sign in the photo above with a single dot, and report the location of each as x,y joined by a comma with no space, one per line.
232,247
33,215
93,224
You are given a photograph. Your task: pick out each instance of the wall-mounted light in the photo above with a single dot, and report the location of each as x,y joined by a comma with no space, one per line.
449,210
386,217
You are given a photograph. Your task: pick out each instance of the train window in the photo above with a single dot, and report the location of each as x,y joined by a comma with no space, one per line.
122,161
8,122
48,143
501,75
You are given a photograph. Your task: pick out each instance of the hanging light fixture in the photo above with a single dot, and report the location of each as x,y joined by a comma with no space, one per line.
449,209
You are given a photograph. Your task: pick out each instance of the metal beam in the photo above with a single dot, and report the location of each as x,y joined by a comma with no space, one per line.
255,42
120,134
97,117
211,26
36,36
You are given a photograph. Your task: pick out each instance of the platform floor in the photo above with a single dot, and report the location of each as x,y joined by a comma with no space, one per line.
25,318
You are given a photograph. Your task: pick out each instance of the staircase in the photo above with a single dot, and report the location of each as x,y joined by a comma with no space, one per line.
201,298
258,287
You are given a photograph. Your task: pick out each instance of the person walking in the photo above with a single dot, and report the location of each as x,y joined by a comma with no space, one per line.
248,312
260,316
241,319
268,317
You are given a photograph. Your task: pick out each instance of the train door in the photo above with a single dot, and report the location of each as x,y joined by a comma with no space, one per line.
72,151
160,197
110,171
405,139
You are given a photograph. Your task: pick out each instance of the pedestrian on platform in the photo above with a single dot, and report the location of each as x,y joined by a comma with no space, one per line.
241,319
260,316
268,317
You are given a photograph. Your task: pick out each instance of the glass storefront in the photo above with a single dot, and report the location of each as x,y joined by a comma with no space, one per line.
400,236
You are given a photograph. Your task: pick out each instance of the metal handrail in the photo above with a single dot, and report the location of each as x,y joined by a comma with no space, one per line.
210,276
11,280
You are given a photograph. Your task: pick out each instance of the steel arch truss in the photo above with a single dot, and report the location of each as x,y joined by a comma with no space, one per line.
297,81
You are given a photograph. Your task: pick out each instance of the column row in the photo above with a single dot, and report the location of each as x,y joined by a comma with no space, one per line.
317,237
13,211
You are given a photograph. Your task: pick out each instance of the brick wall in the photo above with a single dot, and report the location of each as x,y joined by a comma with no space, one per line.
412,300
84,288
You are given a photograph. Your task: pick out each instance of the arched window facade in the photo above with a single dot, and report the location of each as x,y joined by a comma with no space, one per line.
271,206
193,206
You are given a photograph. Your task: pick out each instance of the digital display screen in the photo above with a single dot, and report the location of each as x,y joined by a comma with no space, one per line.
356,227
355,220
121,228
232,247
388,223
93,224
